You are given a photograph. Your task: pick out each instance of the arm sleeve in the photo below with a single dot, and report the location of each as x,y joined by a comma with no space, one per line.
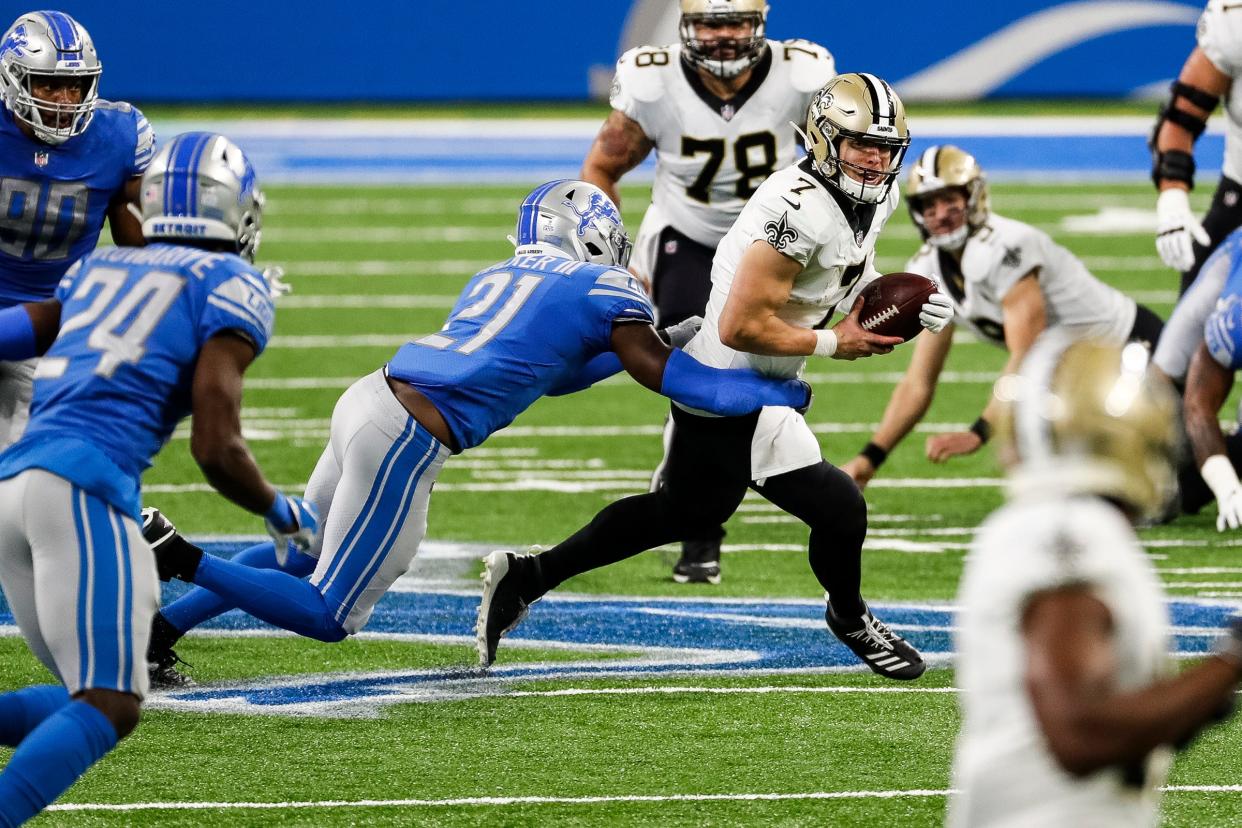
729,392
239,302
17,334
144,146
600,367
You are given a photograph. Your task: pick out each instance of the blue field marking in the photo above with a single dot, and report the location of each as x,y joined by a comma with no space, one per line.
527,151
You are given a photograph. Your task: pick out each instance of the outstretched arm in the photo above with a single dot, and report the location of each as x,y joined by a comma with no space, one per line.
1071,670
28,330
671,372
1207,385
620,147
911,398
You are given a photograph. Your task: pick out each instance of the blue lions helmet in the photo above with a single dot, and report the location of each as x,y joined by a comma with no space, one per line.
576,218
49,47
201,188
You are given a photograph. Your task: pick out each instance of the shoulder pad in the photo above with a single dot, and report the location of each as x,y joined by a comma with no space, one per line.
810,65
643,72
115,106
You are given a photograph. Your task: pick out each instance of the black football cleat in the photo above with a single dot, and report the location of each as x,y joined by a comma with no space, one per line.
162,670
877,646
699,563
507,577
175,557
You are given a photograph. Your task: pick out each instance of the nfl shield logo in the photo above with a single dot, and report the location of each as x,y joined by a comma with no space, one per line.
40,159
859,236
726,112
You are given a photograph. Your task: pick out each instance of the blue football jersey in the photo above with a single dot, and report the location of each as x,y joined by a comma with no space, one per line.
116,381
1223,329
520,329
53,199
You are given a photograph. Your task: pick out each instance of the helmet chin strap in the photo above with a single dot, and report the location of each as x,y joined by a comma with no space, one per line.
953,240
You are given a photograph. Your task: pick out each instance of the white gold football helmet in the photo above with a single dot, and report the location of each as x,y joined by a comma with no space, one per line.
866,110
709,54
200,188
49,46
944,167
1090,417
577,218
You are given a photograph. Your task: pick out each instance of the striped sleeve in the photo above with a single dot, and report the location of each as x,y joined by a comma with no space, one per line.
241,302
144,147
620,298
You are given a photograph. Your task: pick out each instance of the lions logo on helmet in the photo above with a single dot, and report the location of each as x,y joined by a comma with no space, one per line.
867,111
200,188
725,57
944,167
576,218
1090,417
49,45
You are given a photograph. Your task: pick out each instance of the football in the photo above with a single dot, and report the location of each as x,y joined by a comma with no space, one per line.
891,304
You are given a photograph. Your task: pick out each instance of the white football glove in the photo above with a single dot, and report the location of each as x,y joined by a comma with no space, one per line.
1177,229
1221,478
936,313
679,335
275,277
291,521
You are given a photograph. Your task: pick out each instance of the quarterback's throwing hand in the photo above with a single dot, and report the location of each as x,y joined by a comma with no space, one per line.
854,341
1177,229
291,521
937,312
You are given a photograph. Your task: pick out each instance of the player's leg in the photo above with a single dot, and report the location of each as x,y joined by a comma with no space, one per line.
1222,218
1147,327
22,710
16,390
199,605
706,477
827,500
681,285
95,594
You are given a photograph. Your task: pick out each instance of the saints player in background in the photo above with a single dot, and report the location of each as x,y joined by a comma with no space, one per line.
559,315
1008,282
718,108
801,250
142,337
68,159
1071,707
1208,75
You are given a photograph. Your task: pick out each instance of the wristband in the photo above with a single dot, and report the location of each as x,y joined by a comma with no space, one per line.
825,343
1218,473
874,454
280,514
981,429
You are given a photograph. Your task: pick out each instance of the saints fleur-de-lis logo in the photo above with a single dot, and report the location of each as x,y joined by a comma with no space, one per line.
1012,257
780,234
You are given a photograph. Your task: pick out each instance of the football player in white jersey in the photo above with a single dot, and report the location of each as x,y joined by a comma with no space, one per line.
1008,282
801,250
718,110
1071,708
1208,74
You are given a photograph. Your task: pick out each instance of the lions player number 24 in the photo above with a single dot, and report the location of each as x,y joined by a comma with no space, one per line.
489,290
142,307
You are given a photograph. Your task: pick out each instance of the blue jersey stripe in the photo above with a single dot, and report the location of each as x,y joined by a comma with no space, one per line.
393,525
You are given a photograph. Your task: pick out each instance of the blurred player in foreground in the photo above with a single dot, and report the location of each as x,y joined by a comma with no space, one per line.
146,336
803,247
718,110
1071,705
68,159
559,315
1008,282
1208,74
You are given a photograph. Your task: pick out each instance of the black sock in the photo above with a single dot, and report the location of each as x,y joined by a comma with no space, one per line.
163,634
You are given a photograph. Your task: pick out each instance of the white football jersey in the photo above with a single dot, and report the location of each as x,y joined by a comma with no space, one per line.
1220,38
804,217
1002,252
711,155
1006,774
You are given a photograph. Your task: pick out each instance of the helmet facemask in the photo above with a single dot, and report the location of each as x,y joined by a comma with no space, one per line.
864,110
724,57
42,48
